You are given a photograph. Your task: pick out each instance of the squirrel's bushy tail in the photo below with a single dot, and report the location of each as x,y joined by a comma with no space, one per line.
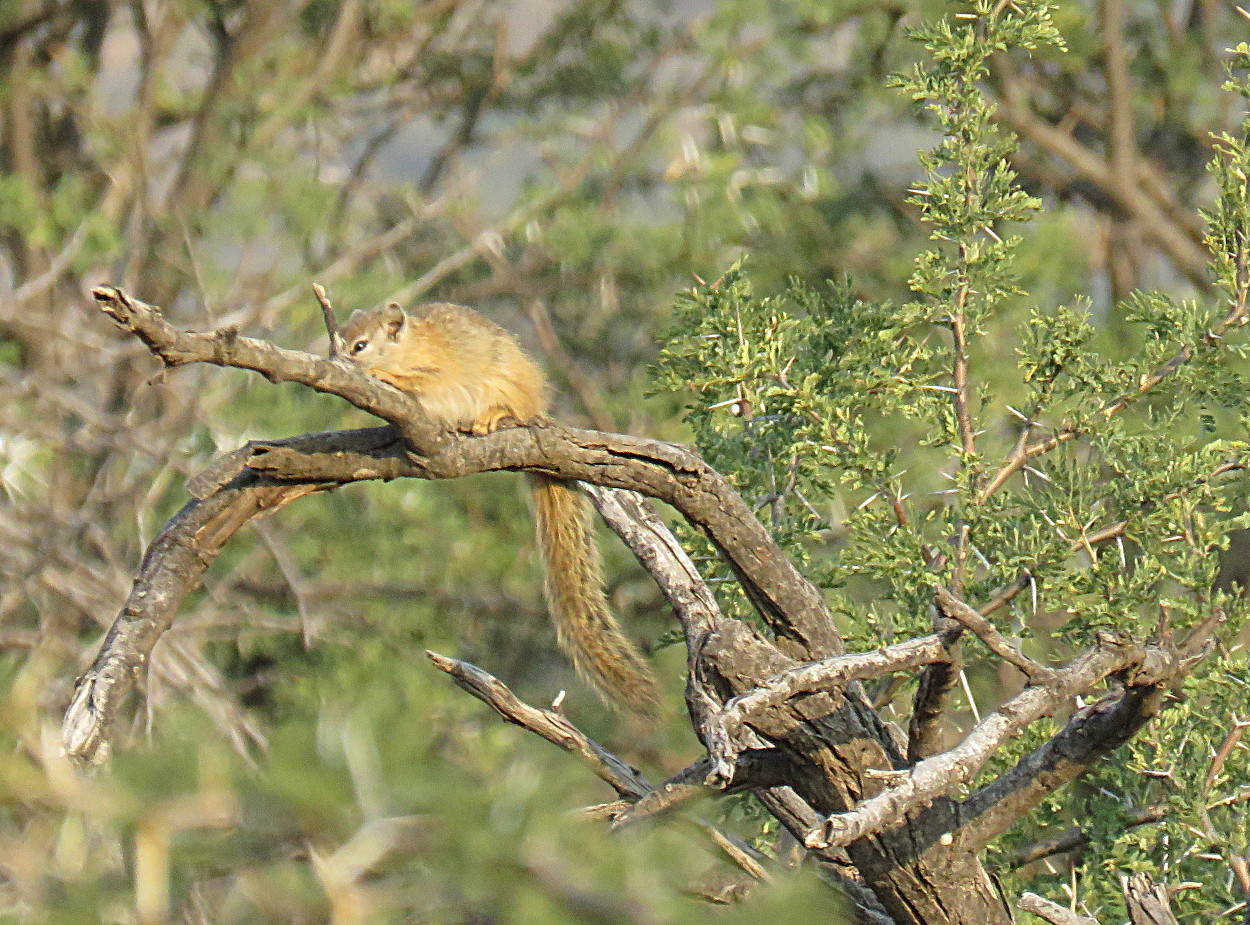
585,627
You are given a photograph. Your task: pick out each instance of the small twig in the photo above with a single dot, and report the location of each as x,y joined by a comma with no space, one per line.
984,630
1217,763
1052,911
332,325
1238,864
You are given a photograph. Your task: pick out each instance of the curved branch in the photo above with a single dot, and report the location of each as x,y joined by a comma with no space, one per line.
793,606
171,569
264,476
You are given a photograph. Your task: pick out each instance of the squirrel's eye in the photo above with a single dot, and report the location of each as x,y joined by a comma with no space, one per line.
359,346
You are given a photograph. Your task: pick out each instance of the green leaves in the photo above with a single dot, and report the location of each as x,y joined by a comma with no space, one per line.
892,452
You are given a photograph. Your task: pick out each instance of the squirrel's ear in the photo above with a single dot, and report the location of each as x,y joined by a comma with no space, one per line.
393,320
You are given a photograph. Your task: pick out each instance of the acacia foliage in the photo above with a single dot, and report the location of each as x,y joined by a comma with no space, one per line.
842,418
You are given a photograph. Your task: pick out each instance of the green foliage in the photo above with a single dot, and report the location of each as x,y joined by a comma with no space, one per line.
1097,489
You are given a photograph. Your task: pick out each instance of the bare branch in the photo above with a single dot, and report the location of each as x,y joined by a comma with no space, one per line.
1052,912
755,769
1148,902
649,538
1074,837
332,326
984,630
1092,732
628,782
552,726
172,566
724,730
939,775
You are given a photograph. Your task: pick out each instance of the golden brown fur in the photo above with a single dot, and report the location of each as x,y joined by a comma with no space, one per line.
471,375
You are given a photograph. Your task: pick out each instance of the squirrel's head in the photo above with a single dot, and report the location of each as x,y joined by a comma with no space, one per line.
394,346
366,335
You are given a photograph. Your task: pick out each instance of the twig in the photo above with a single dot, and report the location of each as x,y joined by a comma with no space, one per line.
957,610
1052,911
332,327
1022,453
1238,863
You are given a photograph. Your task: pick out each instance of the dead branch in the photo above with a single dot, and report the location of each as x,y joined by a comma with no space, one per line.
1052,912
984,630
552,726
1089,734
1074,837
1148,902
724,731
635,790
939,775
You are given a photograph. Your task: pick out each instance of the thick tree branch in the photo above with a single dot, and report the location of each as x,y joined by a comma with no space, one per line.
793,606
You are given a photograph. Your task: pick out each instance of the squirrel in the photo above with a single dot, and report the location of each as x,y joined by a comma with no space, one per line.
471,375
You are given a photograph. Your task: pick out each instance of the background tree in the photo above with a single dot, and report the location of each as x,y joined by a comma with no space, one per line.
564,171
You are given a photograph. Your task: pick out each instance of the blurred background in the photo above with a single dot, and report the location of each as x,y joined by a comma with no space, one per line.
564,166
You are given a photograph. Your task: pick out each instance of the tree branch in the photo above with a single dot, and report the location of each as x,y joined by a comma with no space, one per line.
793,607
1052,912
552,726
937,776
724,731
1091,733
984,630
